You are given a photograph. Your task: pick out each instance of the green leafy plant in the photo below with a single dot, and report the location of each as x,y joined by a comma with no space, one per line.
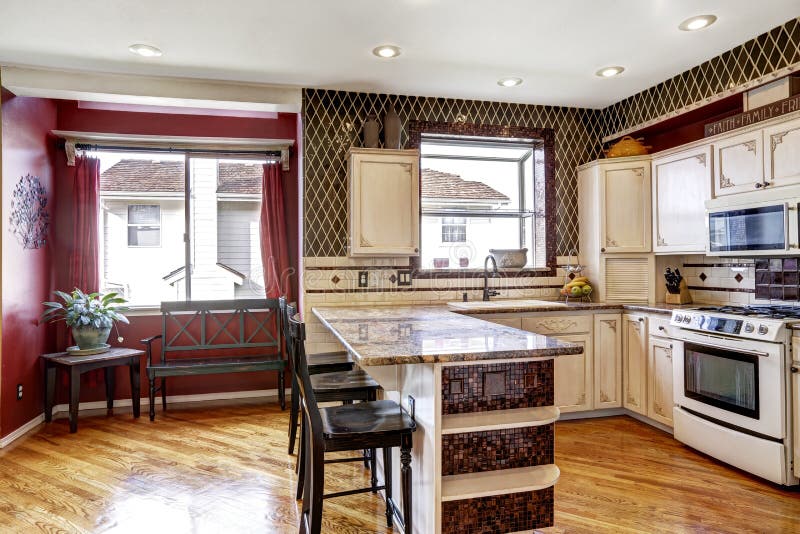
81,309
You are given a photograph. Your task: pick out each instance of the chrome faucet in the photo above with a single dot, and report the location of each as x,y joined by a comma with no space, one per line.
486,291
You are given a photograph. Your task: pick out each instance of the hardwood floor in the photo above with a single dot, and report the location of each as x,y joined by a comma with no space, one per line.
225,469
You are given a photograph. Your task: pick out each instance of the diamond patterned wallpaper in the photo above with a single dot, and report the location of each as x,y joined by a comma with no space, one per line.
736,70
333,121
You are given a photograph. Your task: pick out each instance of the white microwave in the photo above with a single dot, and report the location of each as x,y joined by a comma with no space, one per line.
748,225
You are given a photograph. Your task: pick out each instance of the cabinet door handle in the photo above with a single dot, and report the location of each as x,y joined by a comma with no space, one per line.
602,250
661,328
795,369
416,250
641,319
759,185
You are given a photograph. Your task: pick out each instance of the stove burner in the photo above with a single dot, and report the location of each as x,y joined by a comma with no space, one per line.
761,312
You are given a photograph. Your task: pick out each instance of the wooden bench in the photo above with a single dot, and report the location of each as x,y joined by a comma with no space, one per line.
238,336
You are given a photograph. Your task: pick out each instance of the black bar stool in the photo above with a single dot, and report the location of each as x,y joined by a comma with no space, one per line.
344,386
329,362
350,427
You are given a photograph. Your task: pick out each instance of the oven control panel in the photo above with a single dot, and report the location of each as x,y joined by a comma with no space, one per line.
748,327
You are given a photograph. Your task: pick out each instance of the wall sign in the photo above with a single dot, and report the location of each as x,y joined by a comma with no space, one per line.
775,109
29,217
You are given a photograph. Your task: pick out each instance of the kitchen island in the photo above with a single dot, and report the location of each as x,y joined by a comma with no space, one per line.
482,397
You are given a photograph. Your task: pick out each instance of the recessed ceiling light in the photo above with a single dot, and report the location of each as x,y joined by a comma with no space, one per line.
697,23
145,50
386,51
509,82
608,72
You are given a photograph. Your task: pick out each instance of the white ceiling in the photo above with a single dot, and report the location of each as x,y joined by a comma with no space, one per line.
452,48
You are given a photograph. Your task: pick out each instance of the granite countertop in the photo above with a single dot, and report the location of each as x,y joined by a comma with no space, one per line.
476,307
390,335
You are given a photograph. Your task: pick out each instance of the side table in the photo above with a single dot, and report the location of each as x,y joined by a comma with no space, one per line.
75,366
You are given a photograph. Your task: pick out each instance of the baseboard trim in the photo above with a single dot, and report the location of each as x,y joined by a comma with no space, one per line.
122,403
21,431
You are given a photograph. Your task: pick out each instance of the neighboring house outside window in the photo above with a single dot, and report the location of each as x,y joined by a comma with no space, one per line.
143,253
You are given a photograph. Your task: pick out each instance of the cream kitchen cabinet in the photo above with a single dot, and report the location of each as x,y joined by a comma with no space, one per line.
383,202
796,402
614,205
634,362
782,154
660,404
573,376
573,373
739,163
607,361
681,186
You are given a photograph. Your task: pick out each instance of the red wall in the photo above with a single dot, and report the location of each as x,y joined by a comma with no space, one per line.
26,149
73,118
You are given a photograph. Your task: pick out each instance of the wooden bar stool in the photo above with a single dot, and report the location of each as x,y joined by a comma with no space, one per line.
333,386
329,362
351,427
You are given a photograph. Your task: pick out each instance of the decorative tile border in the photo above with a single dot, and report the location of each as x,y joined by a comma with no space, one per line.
473,452
514,512
527,385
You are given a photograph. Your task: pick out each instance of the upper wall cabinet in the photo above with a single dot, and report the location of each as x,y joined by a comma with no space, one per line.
782,153
739,163
383,202
614,205
681,186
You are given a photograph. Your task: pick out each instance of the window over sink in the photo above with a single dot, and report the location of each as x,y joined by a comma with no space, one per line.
477,194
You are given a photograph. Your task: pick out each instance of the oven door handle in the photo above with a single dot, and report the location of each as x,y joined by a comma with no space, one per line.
732,349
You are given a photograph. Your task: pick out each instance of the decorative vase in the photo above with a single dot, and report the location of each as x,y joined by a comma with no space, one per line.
391,128
89,337
372,132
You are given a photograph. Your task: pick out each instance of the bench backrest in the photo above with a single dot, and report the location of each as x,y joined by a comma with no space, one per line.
220,324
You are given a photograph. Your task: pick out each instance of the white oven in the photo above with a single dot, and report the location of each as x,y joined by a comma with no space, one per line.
733,396
752,224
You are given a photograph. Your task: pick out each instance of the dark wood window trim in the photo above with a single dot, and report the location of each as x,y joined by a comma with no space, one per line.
417,128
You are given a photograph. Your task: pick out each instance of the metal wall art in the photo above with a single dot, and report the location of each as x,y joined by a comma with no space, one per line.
29,217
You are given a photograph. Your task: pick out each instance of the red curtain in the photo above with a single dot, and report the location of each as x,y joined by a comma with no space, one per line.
84,265
274,240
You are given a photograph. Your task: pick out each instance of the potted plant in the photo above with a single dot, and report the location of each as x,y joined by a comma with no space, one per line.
90,316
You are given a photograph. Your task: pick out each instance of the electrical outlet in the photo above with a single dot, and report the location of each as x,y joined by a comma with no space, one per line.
363,278
403,278
412,406
19,391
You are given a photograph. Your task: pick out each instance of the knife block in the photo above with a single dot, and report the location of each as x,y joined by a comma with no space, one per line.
684,297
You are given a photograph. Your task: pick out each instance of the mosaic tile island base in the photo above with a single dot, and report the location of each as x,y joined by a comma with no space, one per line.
482,395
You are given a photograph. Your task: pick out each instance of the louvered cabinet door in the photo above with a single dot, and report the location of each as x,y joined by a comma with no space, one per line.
627,279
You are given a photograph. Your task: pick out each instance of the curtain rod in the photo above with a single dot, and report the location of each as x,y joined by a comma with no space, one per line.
173,150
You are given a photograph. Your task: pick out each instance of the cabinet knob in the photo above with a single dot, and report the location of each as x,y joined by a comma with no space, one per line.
416,250
661,328
641,319
602,250
759,185
795,369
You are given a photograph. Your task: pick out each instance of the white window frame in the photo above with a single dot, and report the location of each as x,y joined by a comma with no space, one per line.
524,211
